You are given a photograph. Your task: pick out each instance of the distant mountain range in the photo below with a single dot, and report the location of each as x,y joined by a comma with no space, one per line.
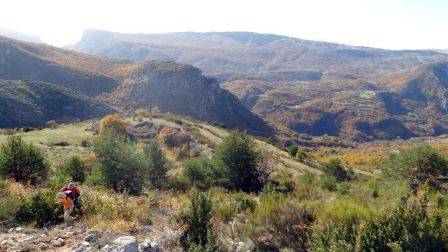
20,36
311,87
175,88
236,55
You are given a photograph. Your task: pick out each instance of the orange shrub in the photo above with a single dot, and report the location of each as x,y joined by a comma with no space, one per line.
115,122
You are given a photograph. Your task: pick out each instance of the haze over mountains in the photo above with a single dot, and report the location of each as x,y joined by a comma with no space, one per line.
311,87
20,36
230,55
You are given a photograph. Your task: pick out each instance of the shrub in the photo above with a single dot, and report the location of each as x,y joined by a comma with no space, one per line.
199,234
335,169
238,158
292,150
226,206
76,169
301,155
41,209
157,162
334,236
283,180
123,165
418,165
414,223
200,172
281,223
155,111
21,161
85,143
115,123
328,183
344,188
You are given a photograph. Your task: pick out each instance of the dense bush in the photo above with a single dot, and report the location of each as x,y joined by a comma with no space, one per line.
41,209
293,149
201,172
157,162
283,181
328,182
238,157
124,166
281,223
417,165
199,234
76,169
415,223
335,169
21,161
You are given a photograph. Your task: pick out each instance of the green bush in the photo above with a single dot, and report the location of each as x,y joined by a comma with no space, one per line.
157,163
96,178
76,169
328,183
343,188
8,208
334,236
417,165
201,172
414,223
199,235
228,205
41,209
283,181
238,157
21,161
123,165
335,169
281,223
300,155
292,150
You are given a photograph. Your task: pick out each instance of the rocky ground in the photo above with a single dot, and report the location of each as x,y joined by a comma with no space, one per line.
77,238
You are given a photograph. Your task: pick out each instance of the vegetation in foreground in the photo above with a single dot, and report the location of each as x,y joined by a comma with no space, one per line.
127,182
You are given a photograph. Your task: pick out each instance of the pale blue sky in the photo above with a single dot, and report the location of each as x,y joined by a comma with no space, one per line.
393,24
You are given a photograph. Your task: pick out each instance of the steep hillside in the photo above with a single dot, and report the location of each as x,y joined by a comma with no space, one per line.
230,55
21,60
33,103
182,89
175,88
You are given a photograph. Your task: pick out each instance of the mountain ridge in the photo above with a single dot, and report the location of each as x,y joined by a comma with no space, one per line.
222,53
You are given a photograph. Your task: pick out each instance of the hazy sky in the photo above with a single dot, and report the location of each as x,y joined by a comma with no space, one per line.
393,24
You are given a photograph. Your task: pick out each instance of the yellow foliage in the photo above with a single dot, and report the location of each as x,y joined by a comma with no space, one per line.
115,122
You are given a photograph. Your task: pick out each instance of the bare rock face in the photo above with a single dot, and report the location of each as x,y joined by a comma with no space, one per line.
122,244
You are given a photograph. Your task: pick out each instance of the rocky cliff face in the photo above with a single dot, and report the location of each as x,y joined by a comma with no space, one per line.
182,89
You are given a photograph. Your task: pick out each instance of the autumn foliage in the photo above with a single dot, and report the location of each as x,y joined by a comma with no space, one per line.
114,122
